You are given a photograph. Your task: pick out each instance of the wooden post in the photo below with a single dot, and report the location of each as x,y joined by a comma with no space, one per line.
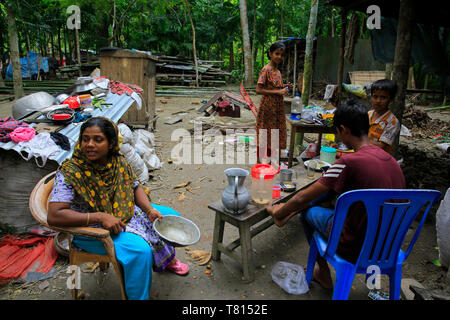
307,69
402,58
341,55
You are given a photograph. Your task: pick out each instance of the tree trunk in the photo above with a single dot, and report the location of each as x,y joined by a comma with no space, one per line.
111,42
389,67
333,27
402,58
28,53
188,6
281,19
231,56
341,54
254,50
248,72
307,69
14,52
60,47
263,54
52,44
77,40
65,40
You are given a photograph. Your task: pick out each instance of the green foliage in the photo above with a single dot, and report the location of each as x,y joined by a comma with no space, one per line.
163,26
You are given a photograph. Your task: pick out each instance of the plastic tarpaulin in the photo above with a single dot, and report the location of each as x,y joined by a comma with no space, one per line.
428,46
20,254
43,65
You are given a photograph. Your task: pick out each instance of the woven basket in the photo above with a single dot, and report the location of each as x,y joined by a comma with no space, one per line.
364,77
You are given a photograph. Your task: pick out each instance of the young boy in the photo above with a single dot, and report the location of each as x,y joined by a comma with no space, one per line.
384,126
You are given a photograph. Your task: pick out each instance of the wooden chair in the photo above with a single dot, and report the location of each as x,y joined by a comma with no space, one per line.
38,204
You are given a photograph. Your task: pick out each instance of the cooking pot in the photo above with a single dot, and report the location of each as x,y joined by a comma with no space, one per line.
61,116
84,84
29,104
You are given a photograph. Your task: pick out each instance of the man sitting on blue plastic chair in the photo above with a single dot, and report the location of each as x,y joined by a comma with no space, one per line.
369,167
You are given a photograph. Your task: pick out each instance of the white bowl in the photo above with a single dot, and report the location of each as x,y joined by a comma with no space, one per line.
177,231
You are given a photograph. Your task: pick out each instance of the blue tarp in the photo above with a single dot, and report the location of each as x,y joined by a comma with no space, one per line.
33,63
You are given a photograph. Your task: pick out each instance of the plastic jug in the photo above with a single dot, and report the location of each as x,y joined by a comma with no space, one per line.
296,108
328,154
262,183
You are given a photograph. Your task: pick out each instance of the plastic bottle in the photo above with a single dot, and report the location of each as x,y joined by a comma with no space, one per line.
296,109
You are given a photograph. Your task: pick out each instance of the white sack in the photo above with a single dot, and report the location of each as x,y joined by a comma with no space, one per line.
443,229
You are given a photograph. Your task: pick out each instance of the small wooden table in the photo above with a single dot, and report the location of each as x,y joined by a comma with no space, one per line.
300,127
244,222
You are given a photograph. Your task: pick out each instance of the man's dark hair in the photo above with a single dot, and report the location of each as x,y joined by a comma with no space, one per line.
385,85
275,46
106,127
353,116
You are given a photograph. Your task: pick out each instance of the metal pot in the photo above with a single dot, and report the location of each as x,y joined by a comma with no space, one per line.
29,104
84,84
60,98
59,111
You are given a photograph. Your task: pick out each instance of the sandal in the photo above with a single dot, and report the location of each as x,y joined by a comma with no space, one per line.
179,268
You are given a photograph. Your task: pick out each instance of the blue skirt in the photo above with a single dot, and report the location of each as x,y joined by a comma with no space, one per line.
133,253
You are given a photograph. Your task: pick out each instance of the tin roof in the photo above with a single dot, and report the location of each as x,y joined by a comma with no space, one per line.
120,105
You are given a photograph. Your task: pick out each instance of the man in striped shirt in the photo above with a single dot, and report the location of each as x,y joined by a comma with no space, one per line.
369,167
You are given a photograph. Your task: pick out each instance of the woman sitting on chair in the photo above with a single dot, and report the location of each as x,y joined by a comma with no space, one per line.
97,187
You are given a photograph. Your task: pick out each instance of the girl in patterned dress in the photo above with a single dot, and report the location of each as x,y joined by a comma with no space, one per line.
271,110
97,187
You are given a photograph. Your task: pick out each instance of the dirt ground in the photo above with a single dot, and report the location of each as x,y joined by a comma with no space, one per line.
274,244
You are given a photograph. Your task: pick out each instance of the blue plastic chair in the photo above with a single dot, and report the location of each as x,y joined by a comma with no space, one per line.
387,225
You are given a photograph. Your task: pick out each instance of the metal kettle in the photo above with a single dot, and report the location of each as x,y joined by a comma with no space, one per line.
235,197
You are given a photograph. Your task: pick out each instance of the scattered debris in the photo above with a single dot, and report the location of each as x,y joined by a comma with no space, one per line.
182,185
174,120
200,256
90,267
44,285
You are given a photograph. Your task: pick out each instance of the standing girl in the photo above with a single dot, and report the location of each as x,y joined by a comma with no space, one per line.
271,111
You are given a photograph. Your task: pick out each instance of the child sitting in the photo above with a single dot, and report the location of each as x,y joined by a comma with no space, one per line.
384,126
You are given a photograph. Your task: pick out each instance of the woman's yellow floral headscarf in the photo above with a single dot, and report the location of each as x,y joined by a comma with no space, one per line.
107,188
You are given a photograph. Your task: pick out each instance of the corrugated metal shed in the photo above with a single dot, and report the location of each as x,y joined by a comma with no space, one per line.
120,105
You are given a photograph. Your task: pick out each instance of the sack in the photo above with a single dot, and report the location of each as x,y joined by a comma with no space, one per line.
127,134
356,89
135,161
442,229
144,143
290,277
